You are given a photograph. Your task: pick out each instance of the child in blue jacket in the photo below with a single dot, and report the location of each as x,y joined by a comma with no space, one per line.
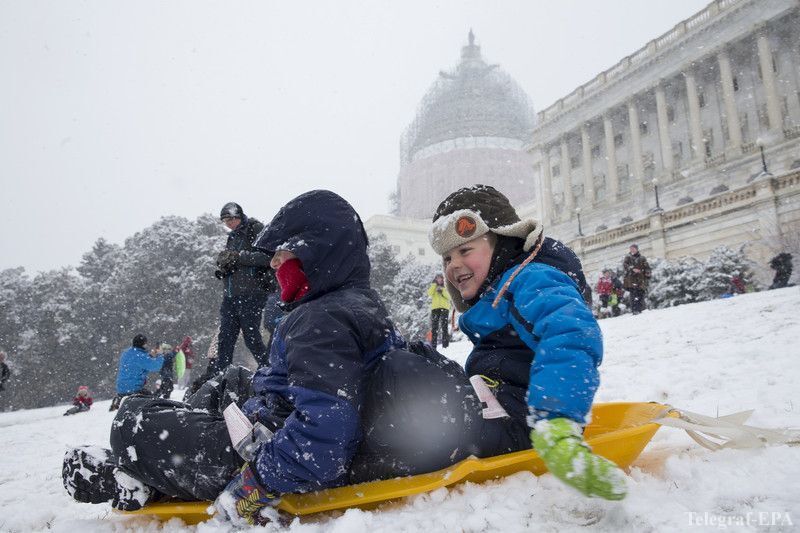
537,344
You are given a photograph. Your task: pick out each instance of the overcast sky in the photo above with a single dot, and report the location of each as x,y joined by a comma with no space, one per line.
113,114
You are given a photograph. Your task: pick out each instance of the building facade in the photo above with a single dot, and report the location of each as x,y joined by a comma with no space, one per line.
691,142
676,124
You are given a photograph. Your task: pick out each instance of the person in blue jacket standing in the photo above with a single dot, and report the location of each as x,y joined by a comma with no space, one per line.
134,365
536,344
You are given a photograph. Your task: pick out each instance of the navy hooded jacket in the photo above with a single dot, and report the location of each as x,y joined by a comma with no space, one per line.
314,385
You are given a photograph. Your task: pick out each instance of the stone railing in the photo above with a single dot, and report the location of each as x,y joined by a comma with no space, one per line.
651,48
691,212
703,207
787,181
715,160
632,229
791,132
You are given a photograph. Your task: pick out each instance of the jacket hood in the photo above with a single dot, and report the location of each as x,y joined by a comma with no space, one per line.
326,234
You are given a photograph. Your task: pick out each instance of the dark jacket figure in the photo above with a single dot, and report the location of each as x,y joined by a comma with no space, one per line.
782,265
167,371
247,281
636,277
5,372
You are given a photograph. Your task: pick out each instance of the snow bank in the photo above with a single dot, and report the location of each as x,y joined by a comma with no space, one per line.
713,357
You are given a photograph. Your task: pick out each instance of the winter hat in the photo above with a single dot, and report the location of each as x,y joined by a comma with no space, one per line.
83,388
473,211
139,341
292,279
231,210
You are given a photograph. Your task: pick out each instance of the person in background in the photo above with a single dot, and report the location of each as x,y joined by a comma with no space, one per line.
186,347
5,372
81,402
247,281
605,287
782,265
167,371
134,365
636,277
440,309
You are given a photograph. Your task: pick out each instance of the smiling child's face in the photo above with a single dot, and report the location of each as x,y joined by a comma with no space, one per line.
467,266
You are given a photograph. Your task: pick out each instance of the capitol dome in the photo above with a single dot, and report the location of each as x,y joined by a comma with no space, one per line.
471,127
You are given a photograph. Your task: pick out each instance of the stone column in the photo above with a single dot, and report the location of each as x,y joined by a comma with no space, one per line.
768,79
731,113
547,187
566,179
612,180
636,148
695,127
588,178
663,131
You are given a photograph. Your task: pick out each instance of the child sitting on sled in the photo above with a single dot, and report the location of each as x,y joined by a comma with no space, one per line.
310,395
81,402
536,343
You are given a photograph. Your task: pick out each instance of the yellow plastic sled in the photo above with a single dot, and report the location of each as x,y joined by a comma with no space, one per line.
618,431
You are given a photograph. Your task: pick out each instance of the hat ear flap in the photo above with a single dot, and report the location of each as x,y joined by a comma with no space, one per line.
455,297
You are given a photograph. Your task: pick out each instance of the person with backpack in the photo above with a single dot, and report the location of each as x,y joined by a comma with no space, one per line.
537,346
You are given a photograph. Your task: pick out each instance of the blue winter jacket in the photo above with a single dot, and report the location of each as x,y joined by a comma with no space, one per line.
134,364
314,384
541,336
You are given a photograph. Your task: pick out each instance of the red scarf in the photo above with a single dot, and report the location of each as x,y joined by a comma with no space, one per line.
292,279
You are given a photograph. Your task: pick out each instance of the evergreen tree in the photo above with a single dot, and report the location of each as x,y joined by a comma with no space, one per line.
674,282
718,271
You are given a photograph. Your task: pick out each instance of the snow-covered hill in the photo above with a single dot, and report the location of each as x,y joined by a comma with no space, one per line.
713,357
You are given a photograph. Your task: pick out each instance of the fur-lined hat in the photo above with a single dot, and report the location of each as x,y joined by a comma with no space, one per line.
473,211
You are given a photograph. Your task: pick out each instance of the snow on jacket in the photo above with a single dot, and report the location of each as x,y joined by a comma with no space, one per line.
439,299
541,336
604,286
134,364
252,275
314,385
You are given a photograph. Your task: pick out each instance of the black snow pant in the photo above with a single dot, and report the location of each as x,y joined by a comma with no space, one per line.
241,313
439,320
182,450
637,300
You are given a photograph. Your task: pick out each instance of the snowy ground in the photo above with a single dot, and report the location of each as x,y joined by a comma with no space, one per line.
713,357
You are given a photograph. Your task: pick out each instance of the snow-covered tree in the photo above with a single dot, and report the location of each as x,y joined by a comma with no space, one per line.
674,282
722,266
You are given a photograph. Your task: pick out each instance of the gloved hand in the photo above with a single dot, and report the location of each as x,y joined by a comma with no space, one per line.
243,499
560,445
227,259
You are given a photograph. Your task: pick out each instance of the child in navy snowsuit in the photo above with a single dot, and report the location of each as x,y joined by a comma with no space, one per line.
310,395
536,342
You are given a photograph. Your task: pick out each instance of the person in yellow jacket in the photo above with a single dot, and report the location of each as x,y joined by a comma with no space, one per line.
440,308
